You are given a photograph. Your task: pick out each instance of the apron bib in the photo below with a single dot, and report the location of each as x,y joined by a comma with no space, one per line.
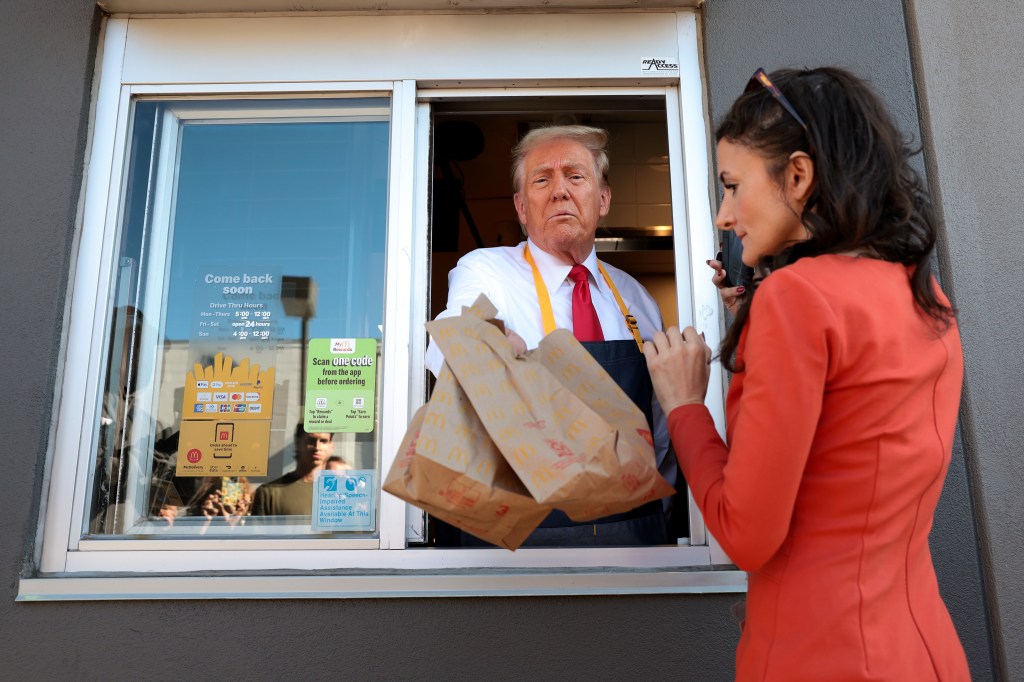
644,525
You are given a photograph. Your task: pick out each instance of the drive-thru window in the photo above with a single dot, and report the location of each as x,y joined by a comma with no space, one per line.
270,211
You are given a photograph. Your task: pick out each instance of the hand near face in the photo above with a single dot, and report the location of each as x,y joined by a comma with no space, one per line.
679,363
730,295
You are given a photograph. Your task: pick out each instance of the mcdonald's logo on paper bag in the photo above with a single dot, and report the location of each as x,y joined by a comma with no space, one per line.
436,420
457,454
576,428
524,453
542,475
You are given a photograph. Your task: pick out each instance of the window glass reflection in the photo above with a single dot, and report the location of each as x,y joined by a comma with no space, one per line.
251,247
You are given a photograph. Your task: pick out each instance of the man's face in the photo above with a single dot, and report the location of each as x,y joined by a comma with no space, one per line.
562,198
313,449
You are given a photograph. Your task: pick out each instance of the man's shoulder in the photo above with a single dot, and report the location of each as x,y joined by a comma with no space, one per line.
625,281
288,495
615,272
641,304
492,256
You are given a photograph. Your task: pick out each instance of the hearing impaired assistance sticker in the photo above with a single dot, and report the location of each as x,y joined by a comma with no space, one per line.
344,500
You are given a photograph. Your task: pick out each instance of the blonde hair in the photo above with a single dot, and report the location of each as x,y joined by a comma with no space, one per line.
594,139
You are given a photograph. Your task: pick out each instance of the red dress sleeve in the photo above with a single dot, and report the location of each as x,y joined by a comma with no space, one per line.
747,490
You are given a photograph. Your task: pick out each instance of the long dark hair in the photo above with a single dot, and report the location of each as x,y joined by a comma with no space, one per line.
865,197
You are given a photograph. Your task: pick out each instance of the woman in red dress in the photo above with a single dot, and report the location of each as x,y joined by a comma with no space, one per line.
847,370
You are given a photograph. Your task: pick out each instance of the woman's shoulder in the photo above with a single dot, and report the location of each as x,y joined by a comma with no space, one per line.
836,275
837,291
797,292
825,286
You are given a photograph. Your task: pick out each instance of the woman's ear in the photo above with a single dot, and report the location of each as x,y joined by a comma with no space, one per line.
799,177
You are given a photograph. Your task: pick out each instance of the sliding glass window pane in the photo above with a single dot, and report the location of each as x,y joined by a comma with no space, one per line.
243,351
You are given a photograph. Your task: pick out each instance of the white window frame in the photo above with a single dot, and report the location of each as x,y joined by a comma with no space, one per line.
134,62
175,114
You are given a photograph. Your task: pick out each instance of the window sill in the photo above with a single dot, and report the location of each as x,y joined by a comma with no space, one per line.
455,583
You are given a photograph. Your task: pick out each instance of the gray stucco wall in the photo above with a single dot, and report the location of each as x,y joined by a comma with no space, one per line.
869,37
47,51
970,62
46,66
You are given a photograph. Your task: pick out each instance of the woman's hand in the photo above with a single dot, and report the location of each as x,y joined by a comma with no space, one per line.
679,363
730,295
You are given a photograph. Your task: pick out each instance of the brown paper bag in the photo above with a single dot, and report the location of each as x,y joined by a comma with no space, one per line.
631,466
590,455
448,466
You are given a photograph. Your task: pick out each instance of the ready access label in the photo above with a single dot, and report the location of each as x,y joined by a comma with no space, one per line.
341,385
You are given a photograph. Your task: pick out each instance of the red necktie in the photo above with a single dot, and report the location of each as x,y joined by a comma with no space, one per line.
585,324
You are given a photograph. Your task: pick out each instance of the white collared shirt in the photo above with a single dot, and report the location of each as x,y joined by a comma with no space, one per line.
503,275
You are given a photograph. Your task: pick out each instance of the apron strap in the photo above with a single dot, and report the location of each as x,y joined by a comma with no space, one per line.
547,316
630,320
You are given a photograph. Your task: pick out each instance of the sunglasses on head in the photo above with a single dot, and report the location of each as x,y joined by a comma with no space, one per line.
760,78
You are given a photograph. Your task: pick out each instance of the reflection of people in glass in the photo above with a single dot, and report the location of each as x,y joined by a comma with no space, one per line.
292,494
227,498
118,418
336,463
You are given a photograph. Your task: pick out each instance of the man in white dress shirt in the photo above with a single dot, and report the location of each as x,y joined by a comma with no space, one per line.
561,192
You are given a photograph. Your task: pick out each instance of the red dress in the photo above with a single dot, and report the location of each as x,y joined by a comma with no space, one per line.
840,431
